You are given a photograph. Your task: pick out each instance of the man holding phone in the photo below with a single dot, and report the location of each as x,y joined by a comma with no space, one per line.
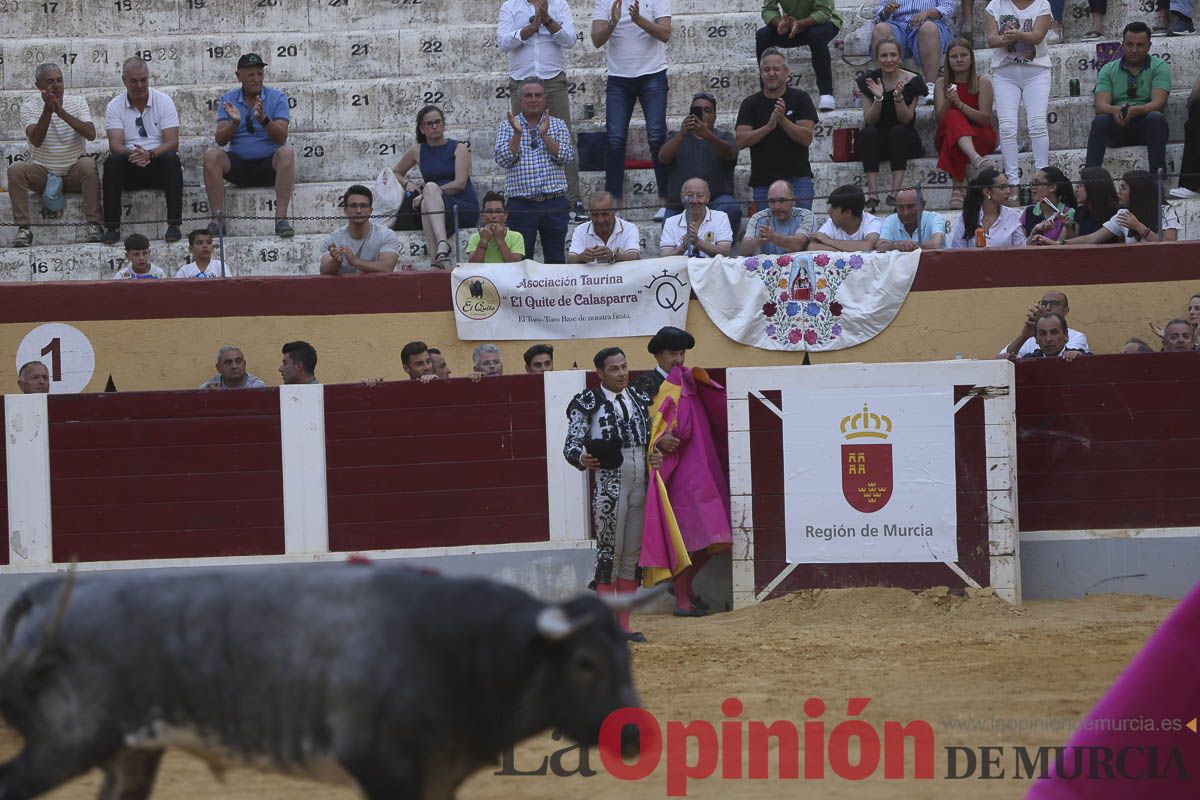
1131,101
1026,341
700,150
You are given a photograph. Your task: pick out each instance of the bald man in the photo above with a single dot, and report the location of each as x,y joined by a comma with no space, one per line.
699,231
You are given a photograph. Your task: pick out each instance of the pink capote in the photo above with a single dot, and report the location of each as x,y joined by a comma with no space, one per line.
1160,683
687,502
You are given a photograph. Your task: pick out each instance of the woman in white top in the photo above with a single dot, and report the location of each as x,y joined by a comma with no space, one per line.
1016,29
986,221
1140,219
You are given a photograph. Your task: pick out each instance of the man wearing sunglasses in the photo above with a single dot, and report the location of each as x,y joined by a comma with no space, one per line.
1131,101
143,149
253,120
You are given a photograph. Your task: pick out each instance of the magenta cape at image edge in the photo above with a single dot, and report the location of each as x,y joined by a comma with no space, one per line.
694,474
1161,683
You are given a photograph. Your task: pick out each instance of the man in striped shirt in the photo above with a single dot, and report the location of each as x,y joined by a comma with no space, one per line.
56,127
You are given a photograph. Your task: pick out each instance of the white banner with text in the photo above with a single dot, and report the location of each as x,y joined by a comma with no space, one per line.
528,300
869,475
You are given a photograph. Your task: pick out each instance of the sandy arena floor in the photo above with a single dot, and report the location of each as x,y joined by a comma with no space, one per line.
935,658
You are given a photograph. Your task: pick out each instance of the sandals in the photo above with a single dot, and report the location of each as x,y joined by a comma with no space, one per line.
956,199
872,203
441,258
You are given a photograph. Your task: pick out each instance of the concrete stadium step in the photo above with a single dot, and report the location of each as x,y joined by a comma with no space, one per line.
315,210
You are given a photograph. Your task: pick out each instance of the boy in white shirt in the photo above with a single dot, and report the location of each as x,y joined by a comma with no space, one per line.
137,251
849,227
200,245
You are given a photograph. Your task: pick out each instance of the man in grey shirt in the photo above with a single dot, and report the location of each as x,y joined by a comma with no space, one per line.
699,150
231,372
360,245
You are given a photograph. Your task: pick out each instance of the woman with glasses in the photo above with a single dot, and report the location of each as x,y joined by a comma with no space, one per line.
987,220
1141,218
1016,29
445,183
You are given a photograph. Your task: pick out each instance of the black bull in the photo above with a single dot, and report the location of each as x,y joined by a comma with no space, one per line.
381,677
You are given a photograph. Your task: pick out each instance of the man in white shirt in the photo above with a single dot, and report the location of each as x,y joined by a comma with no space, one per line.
607,238
56,128
536,35
360,245
1025,342
699,231
143,149
636,32
849,228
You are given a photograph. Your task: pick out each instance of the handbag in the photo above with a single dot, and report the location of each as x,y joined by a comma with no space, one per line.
407,218
845,142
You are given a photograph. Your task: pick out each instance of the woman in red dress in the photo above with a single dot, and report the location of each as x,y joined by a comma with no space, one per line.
963,104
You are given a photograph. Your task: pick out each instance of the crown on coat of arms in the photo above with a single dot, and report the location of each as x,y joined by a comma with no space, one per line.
866,425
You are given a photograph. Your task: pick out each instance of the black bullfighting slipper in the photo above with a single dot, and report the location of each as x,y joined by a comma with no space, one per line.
689,612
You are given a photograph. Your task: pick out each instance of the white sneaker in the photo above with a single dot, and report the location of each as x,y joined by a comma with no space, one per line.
827,103
1181,193
929,94
661,214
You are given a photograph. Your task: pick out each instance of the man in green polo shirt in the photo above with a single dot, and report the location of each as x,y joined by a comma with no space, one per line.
494,243
1130,101
791,23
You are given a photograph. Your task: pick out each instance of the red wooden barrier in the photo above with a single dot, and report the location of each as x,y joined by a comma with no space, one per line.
436,465
165,475
1109,442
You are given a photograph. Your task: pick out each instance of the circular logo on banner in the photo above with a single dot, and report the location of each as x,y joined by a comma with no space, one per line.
66,352
477,298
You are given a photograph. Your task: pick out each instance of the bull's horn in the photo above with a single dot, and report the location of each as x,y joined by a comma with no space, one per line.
554,624
631,600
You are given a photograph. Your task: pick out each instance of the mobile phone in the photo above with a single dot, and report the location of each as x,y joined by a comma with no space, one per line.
697,112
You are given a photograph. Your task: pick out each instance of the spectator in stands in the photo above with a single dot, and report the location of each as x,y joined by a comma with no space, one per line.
1050,330
1193,317
1175,17
143,145
33,378
445,184
1135,345
912,227
1189,165
299,364
607,238
776,124
986,220
440,367
849,226
536,35
1098,8
637,39
700,150
792,23
137,253
534,147
962,102
231,372
1178,337
486,360
779,228
202,265
360,245
889,98
539,358
417,361
921,27
1130,101
1053,211
494,243
1140,219
253,120
1025,342
699,232
1016,32
1096,200
56,128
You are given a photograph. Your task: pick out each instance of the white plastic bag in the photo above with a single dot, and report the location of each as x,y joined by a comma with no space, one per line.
856,35
389,194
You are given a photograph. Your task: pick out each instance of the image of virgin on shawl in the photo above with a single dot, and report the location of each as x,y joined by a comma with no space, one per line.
687,501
